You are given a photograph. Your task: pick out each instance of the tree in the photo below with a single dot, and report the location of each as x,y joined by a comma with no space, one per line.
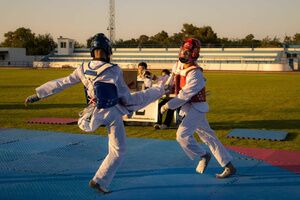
229,42
20,38
143,39
78,45
189,30
249,41
249,37
176,39
43,45
268,42
160,38
127,43
205,34
287,40
296,38
89,41
24,38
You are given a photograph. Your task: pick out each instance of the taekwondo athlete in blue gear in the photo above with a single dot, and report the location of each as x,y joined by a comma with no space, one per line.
109,99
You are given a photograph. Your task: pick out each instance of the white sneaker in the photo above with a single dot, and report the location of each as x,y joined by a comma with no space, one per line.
163,126
156,126
203,163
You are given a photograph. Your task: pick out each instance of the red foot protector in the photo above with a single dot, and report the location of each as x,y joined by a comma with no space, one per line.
52,121
289,160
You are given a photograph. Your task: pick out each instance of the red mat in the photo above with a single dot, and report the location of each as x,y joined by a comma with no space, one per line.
289,160
52,121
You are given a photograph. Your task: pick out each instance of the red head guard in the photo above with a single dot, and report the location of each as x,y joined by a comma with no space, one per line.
189,50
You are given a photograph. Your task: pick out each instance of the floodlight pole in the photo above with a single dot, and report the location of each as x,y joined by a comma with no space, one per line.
111,23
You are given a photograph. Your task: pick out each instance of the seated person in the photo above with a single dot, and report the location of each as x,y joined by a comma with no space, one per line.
147,80
165,74
144,77
142,68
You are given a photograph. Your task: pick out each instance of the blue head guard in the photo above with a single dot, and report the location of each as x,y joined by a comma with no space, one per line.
100,41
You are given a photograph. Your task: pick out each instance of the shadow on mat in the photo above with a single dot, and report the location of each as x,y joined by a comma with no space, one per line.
205,185
249,178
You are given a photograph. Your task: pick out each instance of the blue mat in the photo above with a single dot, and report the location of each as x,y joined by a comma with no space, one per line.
48,165
257,134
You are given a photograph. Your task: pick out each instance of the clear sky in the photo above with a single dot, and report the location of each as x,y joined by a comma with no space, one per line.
80,19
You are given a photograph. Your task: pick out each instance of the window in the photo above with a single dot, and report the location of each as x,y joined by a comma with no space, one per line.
63,45
70,45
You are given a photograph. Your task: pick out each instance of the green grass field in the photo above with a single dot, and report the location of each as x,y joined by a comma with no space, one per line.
237,100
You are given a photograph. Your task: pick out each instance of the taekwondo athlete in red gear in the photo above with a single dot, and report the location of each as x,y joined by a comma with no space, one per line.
187,78
108,100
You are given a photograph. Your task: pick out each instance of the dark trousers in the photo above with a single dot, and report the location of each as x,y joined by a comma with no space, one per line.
169,116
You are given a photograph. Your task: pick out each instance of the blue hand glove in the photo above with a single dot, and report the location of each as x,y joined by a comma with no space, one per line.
31,99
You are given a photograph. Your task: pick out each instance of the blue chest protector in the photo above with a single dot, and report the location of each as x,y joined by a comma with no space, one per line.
106,94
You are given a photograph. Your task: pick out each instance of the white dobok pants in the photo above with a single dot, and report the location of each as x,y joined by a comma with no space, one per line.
111,117
195,121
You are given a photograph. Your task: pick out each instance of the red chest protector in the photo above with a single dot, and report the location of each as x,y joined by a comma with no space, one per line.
180,81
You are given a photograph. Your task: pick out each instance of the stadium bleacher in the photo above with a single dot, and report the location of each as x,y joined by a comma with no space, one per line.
253,59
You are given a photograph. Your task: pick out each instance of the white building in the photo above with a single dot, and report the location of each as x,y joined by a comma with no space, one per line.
65,46
15,57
